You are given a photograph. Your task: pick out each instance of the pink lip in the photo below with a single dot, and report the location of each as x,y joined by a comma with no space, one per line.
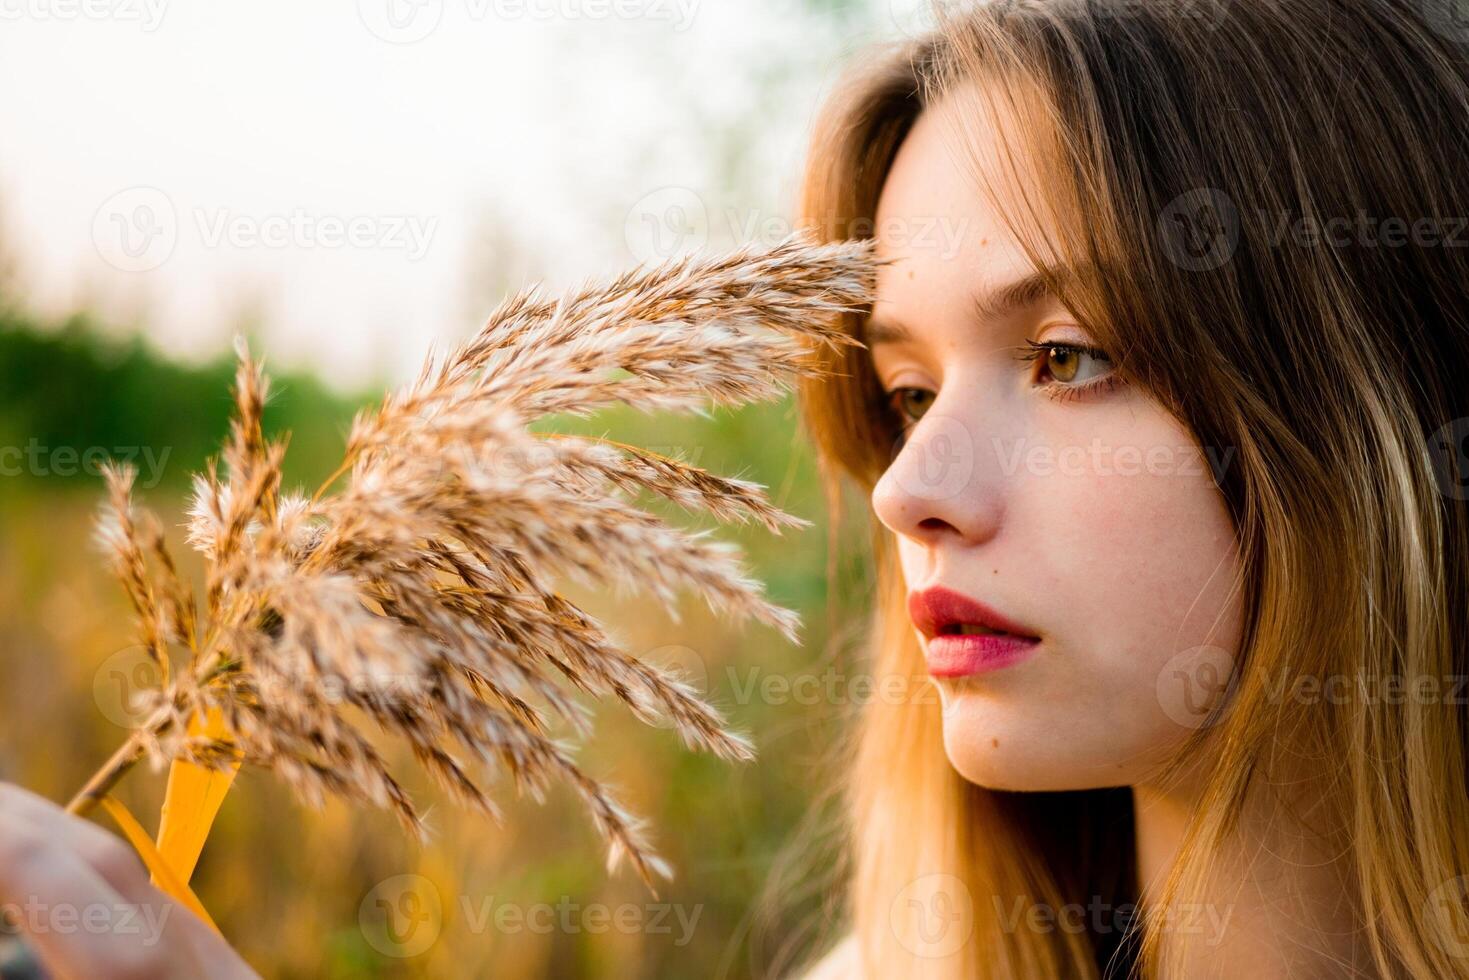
935,610
961,656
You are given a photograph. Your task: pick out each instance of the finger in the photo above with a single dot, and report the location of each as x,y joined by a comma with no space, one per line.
142,911
209,947
106,853
77,923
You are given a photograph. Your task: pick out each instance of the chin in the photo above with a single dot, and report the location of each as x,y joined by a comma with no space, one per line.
1014,747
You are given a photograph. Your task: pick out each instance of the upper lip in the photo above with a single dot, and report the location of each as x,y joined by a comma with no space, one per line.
936,607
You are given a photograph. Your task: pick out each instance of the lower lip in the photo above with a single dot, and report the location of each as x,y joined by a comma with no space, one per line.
962,655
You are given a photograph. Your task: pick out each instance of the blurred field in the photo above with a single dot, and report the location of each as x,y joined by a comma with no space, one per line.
340,893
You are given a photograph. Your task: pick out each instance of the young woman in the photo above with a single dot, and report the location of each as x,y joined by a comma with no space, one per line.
1162,416
1161,411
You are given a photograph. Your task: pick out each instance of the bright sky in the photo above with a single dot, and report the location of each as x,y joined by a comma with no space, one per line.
366,176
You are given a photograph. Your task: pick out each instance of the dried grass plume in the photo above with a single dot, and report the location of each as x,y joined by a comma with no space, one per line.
420,597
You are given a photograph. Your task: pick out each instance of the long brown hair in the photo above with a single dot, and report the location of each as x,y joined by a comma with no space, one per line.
1265,200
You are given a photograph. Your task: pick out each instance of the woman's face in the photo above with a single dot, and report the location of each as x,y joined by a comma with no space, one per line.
1036,482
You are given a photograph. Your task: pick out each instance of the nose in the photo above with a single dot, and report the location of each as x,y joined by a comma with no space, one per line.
936,488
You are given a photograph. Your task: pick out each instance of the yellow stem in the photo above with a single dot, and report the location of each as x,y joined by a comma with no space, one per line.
118,765
107,777
336,473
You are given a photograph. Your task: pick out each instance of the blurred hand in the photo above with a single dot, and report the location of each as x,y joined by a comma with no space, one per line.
84,904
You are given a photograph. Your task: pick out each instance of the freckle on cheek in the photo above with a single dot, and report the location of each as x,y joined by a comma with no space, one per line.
994,743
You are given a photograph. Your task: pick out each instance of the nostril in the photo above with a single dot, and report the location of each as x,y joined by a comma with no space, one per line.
933,524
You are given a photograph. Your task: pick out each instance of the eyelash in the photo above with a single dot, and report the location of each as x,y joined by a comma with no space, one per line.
1061,391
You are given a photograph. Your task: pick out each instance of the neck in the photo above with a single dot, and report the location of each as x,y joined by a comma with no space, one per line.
1277,900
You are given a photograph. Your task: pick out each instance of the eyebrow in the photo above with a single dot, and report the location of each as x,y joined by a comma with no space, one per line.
991,304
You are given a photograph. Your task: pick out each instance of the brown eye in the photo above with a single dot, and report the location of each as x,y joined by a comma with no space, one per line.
910,403
1071,363
1062,362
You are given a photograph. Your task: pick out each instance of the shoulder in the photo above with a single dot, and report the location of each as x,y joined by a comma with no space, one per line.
842,962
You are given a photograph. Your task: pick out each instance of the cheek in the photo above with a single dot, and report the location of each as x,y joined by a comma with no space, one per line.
1139,548
1148,567
1131,549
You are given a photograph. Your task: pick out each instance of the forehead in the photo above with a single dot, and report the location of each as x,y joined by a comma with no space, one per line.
946,208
